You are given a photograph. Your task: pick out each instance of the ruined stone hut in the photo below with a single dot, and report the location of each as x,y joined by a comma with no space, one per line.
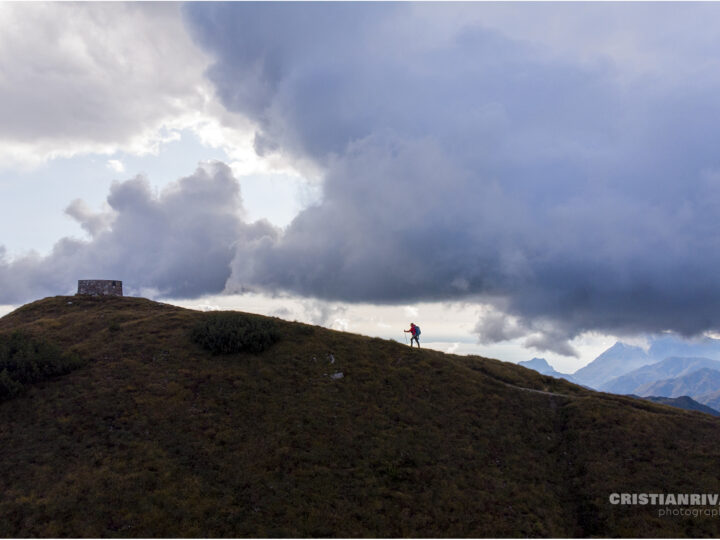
100,287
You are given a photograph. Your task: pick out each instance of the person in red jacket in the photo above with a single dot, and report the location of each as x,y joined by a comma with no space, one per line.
415,331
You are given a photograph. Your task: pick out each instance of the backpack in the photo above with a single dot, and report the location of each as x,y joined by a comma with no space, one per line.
417,330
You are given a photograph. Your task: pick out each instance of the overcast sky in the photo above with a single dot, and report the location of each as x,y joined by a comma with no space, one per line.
521,180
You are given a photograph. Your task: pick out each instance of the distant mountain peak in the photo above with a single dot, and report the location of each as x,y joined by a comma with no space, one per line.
620,347
542,366
613,362
536,363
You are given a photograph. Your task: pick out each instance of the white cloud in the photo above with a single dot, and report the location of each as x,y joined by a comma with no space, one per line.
6,308
116,165
411,311
102,77
109,77
341,324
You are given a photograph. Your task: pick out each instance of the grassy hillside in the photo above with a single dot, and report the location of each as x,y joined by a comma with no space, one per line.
155,436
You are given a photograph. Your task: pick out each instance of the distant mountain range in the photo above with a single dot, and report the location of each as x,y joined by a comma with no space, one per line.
655,382
622,359
670,369
697,383
635,381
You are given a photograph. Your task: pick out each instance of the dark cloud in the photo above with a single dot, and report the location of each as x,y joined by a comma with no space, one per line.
92,222
570,193
178,243
496,326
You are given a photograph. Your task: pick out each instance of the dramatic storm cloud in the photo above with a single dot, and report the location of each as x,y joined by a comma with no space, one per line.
178,243
572,191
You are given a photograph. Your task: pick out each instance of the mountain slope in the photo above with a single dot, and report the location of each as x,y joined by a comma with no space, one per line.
666,369
695,383
617,360
156,437
710,399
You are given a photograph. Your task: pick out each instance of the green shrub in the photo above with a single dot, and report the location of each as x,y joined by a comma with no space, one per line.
229,332
25,360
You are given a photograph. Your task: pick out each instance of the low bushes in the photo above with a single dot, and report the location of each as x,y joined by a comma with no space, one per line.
26,360
229,332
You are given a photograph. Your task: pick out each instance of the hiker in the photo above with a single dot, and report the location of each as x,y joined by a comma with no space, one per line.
415,331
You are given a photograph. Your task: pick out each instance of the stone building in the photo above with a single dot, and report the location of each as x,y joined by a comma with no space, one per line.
100,287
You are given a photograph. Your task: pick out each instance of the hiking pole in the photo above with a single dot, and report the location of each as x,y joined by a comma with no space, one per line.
404,334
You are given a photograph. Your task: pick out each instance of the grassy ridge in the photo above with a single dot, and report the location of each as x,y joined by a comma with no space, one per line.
155,436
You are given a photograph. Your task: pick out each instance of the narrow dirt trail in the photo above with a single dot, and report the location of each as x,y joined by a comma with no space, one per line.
538,391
